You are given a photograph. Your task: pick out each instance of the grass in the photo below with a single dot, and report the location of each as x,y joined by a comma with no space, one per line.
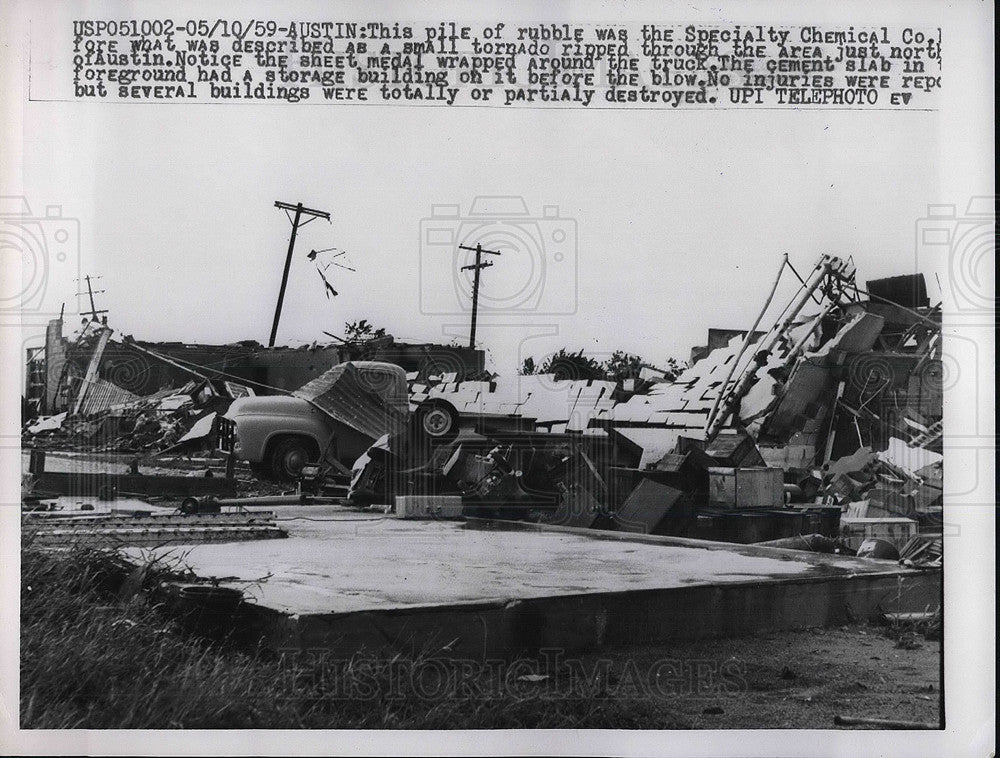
97,652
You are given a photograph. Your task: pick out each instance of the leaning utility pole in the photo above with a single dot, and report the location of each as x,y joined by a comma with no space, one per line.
93,308
478,250
296,223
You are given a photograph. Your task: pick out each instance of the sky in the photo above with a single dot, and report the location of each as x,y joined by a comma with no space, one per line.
675,222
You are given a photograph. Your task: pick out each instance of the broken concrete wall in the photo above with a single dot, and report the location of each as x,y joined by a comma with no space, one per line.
56,355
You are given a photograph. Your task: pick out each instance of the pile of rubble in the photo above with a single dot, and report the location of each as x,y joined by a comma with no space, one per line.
153,423
826,424
105,396
823,428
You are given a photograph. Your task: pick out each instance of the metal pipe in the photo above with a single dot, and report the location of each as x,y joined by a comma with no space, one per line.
815,279
746,343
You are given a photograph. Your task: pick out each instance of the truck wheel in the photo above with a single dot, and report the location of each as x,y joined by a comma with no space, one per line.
287,458
439,421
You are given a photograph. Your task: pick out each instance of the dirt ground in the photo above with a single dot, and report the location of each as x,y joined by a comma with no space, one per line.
796,679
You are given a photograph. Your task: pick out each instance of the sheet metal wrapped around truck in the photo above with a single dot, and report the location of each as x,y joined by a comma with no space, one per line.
369,398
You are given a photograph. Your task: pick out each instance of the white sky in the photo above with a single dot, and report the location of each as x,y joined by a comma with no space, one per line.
681,217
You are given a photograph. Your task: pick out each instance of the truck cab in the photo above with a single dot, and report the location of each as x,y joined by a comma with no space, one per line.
335,418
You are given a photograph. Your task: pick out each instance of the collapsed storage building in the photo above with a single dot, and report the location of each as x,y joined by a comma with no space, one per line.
828,423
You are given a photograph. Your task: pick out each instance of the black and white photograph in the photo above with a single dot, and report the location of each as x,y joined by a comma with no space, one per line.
512,378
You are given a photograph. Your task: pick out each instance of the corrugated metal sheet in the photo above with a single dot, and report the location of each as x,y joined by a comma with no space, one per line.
102,394
371,399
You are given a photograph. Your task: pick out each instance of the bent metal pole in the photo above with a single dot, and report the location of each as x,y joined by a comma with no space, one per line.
827,264
746,342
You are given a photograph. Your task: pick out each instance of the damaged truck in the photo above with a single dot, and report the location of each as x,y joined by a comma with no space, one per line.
331,420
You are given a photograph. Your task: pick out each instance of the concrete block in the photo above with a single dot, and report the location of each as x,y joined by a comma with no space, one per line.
428,506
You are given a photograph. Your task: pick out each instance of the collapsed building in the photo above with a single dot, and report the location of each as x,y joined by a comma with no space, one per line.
828,423
573,513
824,427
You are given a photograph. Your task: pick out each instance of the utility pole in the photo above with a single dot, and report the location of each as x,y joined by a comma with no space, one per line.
296,223
93,312
477,266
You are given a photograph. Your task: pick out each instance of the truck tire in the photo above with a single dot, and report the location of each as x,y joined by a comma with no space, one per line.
438,421
287,457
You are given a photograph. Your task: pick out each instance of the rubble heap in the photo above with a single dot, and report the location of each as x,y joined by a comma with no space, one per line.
828,423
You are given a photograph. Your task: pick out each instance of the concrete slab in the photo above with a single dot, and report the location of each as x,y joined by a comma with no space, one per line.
337,561
349,580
